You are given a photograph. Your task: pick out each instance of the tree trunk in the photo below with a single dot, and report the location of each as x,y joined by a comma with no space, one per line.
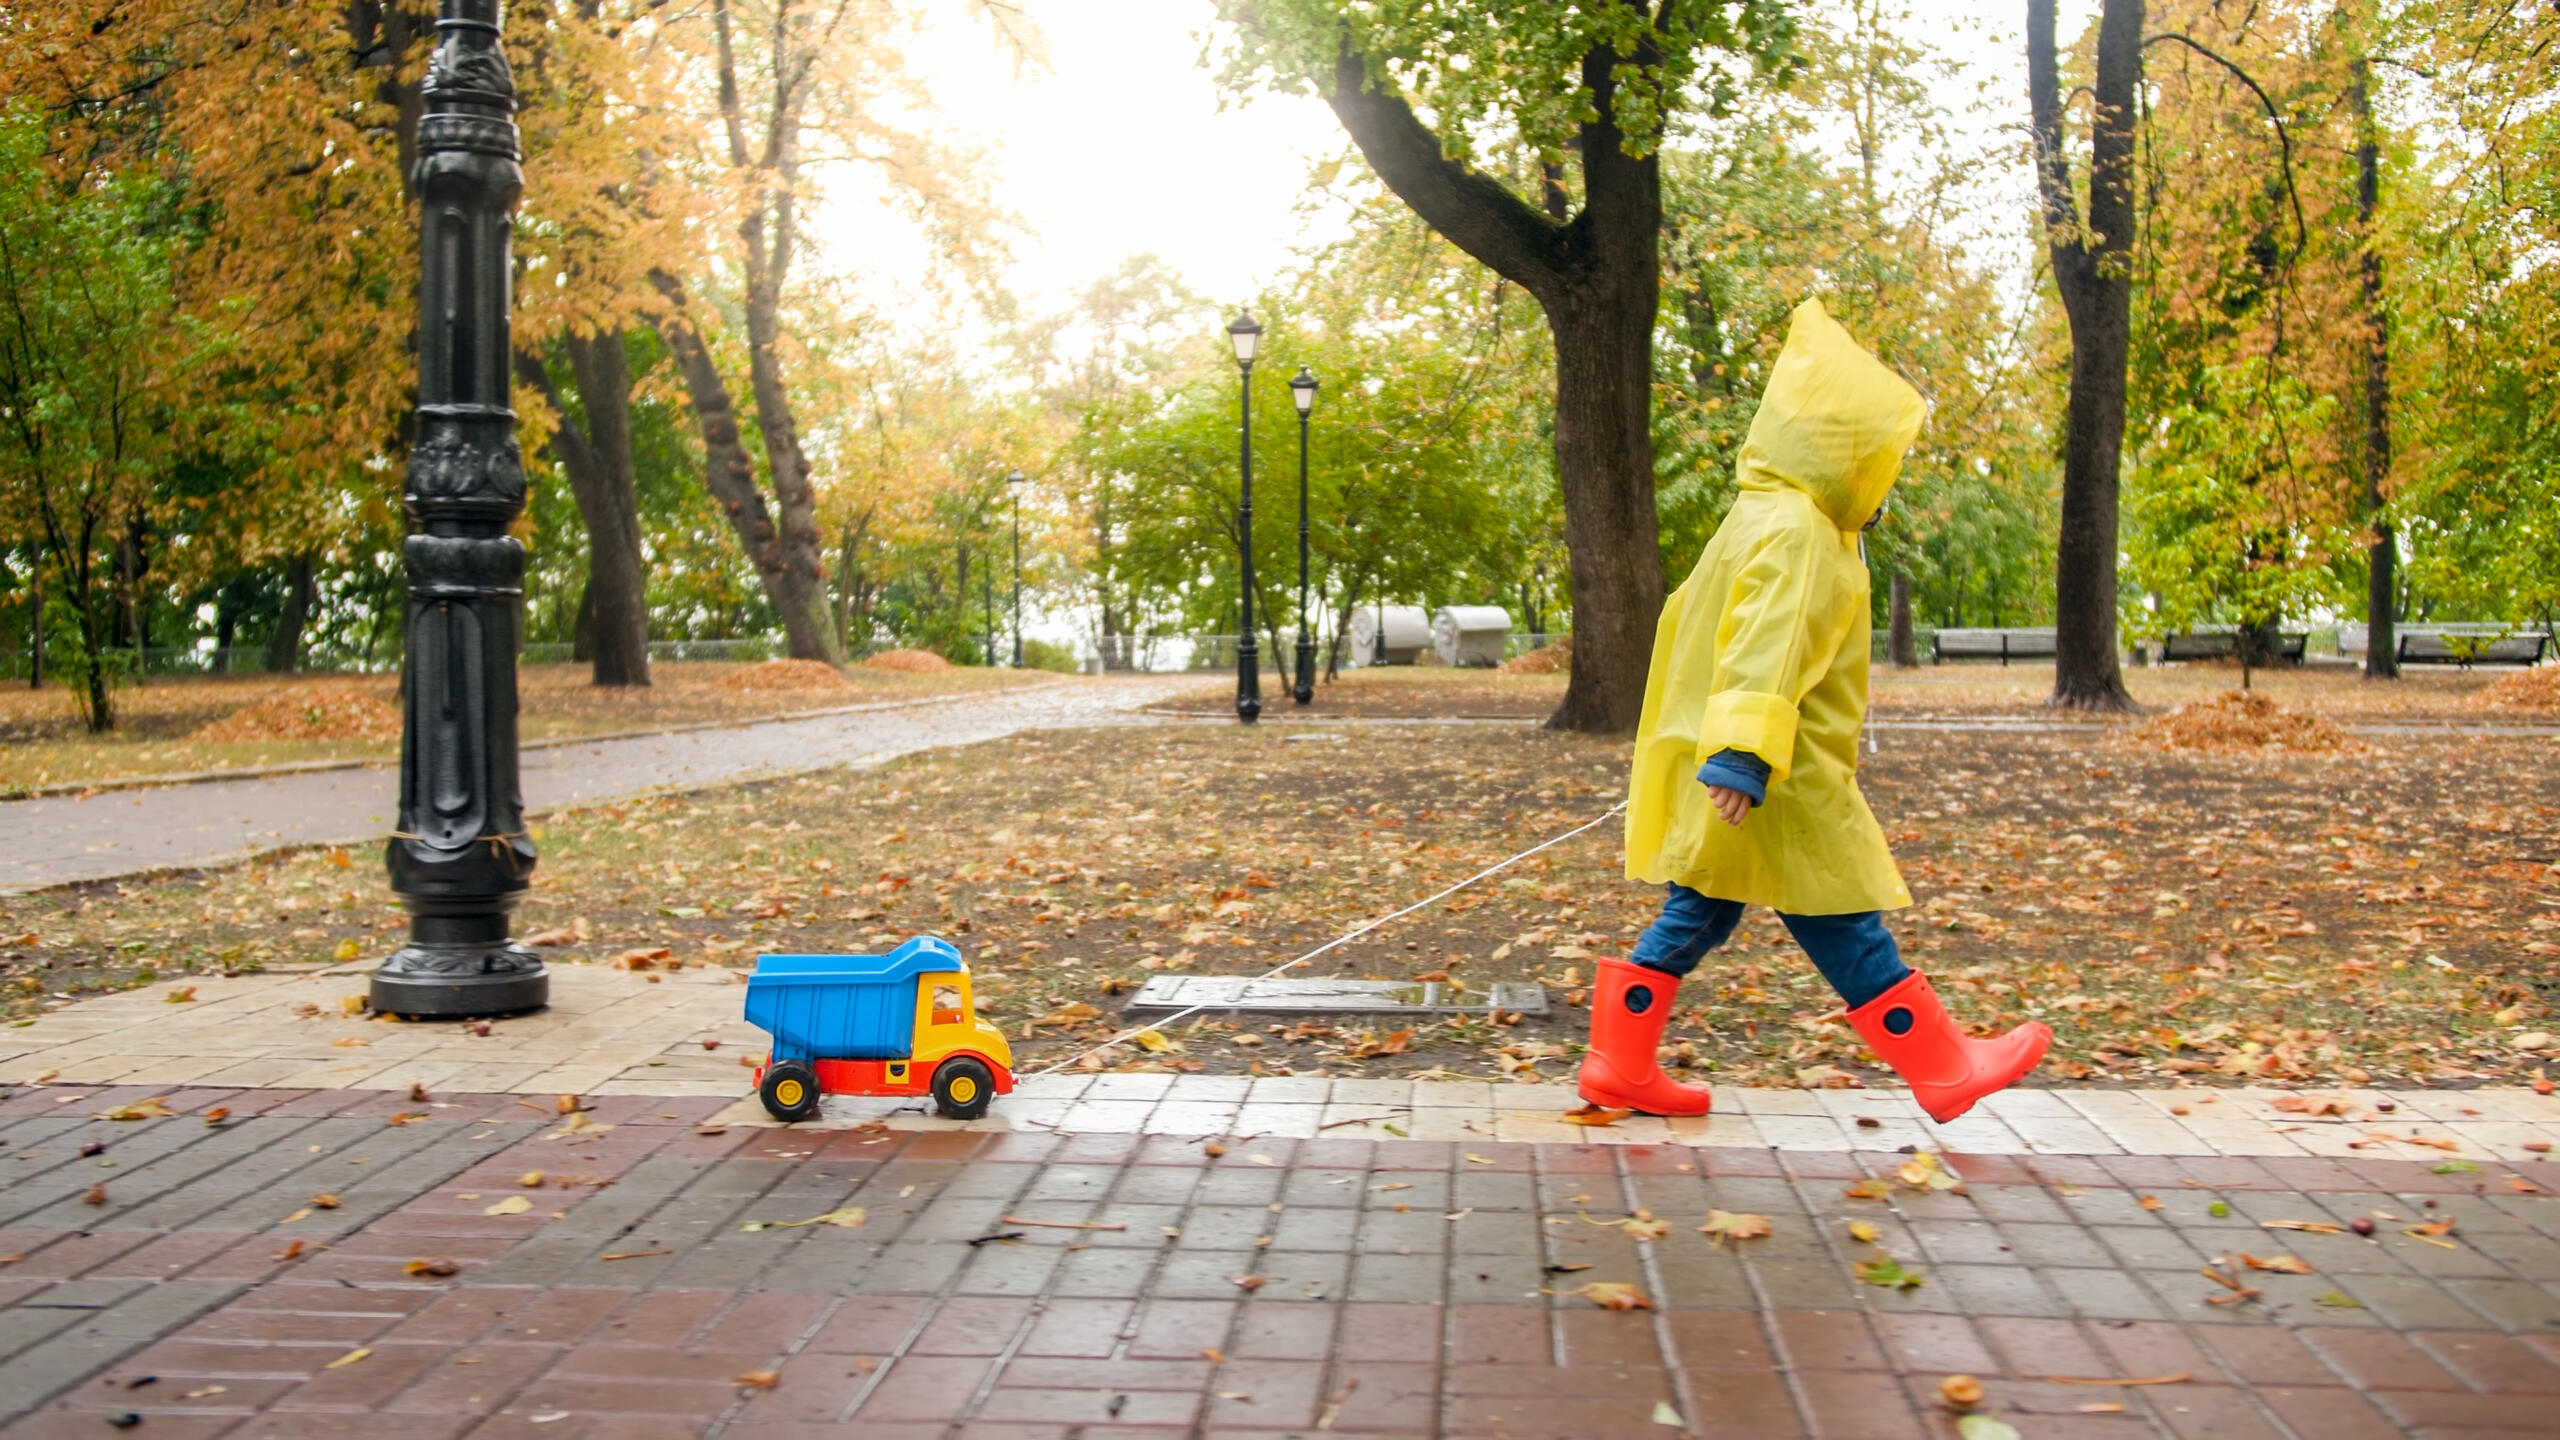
798,596
1598,279
35,631
1902,651
2092,272
609,503
284,646
1604,442
2381,590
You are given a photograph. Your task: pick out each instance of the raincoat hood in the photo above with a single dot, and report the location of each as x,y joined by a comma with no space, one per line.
1833,423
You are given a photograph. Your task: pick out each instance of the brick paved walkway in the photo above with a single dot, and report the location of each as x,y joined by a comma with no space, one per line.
1396,1286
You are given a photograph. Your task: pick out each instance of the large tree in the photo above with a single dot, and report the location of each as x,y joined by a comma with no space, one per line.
1581,94
2092,270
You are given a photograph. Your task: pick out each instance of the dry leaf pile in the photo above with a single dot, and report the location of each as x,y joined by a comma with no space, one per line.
914,662
2243,722
2536,689
322,710
783,675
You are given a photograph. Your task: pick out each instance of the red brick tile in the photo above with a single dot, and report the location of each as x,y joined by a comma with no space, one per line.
367,1384
478,1379
1943,1343
562,1317
1505,1334
2328,1413
1177,1329
973,1324
1071,1326
2490,1362
1397,1334
1594,1336
2042,1347
2380,1360
1083,1406
2417,1409
1828,1340
604,1360
1720,1339
871,1325
1283,1332
1743,1402
2154,1347
464,1314
2210,1412
1861,1405
1281,1393
1043,1374
1386,1396
2266,1355
768,1322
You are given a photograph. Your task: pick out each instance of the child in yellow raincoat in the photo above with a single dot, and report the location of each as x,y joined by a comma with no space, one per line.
1745,789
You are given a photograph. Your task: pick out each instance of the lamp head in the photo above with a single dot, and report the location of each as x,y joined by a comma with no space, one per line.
1014,479
1302,389
1246,333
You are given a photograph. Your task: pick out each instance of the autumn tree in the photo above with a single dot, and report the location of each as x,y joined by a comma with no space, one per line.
1584,92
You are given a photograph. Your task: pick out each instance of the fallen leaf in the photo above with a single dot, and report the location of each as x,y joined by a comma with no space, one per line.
531,1179
438,1266
1663,1414
568,1104
349,1042
325,1201
512,1205
1475,1159
849,1218
2279,1264
1213,1355
290,1252
2338,1300
155,1108
1213,1149
2308,1105
2100,1407
1925,1171
297,1216
417,1092
1247,1282
181,995
1595,1115
95,1194
1861,1230
632,1254
1983,1427
1886,1272
1614,1295
1735,1225
1869,1189
1962,1391
2179,1378
2432,1142
214,1117
350,1358
2150,1202
761,1379
2313,1227
202,1391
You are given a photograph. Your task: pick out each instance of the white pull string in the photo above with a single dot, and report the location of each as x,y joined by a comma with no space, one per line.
1494,869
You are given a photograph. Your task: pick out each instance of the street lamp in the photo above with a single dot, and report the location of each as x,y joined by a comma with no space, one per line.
1013,482
1247,336
1302,391
460,859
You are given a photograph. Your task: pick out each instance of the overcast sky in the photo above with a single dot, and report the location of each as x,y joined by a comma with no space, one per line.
1121,144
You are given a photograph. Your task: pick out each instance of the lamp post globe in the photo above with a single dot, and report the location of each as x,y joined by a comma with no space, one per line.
1246,335
1302,393
1014,482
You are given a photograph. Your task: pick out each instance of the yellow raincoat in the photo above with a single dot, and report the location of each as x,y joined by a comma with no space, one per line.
1765,648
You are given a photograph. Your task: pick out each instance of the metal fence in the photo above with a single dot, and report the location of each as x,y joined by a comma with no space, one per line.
174,660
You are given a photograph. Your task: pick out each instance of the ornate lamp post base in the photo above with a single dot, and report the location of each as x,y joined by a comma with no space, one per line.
461,985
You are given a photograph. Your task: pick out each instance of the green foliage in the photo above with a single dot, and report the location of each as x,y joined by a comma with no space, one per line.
92,355
1046,655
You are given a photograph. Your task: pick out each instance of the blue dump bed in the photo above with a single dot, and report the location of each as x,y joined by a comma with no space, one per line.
844,1007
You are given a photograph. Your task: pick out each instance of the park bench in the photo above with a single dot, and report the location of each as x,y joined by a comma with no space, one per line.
2435,647
2001,645
2221,644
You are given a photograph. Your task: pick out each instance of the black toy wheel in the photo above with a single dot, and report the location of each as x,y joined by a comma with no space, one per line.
789,1091
963,1087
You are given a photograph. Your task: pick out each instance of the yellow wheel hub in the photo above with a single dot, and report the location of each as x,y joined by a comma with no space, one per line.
963,1089
790,1093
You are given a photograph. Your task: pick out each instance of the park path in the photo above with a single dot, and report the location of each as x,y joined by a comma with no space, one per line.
63,839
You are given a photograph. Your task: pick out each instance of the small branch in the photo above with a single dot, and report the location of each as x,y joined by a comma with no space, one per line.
2284,138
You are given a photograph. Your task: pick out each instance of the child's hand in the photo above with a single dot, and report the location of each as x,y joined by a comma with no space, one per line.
1733,805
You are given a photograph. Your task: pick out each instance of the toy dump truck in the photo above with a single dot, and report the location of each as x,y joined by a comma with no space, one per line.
896,1024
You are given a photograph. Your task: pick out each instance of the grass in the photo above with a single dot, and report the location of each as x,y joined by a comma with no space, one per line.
2386,916
42,740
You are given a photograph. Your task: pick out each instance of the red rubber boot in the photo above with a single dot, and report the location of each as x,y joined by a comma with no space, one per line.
1948,1070
1630,1006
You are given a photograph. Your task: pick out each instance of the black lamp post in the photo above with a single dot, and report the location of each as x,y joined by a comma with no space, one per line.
1302,391
1378,647
1013,482
461,859
1247,335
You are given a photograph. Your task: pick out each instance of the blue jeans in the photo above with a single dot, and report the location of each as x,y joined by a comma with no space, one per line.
1854,952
